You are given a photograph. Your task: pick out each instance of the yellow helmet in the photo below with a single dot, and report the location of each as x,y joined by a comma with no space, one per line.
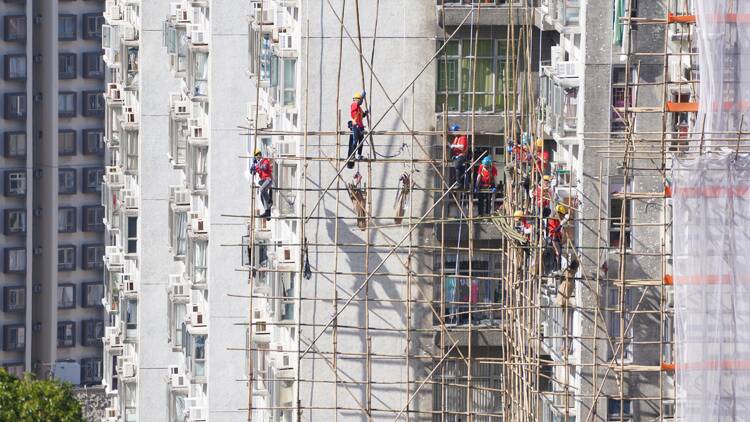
546,178
561,209
539,143
357,96
256,152
518,214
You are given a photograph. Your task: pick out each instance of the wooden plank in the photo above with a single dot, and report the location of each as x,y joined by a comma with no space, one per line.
691,107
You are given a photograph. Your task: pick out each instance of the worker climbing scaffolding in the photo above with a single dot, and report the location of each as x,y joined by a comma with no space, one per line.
459,152
357,126
485,186
263,168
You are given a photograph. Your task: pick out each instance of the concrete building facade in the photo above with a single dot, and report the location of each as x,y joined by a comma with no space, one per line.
52,166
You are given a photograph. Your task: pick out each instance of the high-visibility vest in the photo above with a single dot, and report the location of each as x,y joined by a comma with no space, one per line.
265,169
459,146
487,175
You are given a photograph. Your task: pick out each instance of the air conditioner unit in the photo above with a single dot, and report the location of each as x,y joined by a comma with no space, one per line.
197,319
181,108
130,115
182,197
286,42
183,16
261,327
178,291
197,132
197,414
130,287
198,225
111,413
174,370
286,255
558,55
131,201
178,381
286,148
114,177
129,32
262,117
127,370
115,259
199,37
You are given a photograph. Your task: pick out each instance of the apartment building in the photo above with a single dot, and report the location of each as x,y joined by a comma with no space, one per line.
174,184
52,166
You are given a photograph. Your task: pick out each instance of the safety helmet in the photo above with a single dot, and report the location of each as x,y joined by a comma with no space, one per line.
455,128
256,152
487,161
518,214
546,178
359,95
561,209
540,143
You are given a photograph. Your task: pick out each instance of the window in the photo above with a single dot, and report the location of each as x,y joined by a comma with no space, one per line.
15,145
93,141
66,296
200,74
15,106
621,97
66,219
15,67
92,257
92,179
456,76
92,294
92,331
66,105
15,369
617,406
93,103
14,299
66,258
66,139
66,181
15,221
91,371
132,235
15,28
93,66
451,398
616,319
14,338
93,216
619,216
66,334
15,183
66,27
15,260
92,25
290,82
67,66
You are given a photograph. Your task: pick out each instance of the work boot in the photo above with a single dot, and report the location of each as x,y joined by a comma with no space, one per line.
360,158
266,215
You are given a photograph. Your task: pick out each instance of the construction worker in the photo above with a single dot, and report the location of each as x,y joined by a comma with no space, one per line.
485,185
555,226
263,167
522,224
542,195
357,125
541,158
459,153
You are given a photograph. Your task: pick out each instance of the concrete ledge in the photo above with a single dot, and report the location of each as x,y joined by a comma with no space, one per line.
490,15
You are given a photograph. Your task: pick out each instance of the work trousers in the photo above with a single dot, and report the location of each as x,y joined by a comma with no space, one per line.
266,197
459,171
356,140
484,201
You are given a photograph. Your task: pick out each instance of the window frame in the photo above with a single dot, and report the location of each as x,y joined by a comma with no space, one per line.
68,172
85,225
7,176
85,20
70,266
7,24
67,341
67,229
6,225
67,37
85,175
86,72
65,112
6,260
85,328
62,144
84,294
7,290
86,250
68,75
61,287
23,104
85,147
16,347
6,67
86,97
7,142
94,363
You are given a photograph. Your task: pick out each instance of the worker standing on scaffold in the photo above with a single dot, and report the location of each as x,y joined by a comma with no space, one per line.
459,151
263,167
485,185
357,125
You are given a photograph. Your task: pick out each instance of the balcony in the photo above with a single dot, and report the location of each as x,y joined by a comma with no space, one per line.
559,100
494,12
561,15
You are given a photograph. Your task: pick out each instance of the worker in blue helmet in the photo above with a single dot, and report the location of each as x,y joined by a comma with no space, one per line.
459,153
485,185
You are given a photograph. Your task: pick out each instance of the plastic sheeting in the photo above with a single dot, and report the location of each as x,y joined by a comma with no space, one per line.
712,287
724,59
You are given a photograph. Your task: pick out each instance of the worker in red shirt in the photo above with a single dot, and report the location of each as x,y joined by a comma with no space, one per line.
542,195
357,125
263,167
459,153
485,185
541,158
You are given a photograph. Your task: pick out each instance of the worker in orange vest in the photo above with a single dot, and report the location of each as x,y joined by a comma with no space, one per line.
357,125
263,167
459,152
485,185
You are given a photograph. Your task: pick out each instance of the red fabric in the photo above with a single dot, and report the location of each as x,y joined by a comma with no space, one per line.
357,114
460,146
542,196
474,291
265,169
542,161
526,228
521,153
486,175
553,225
